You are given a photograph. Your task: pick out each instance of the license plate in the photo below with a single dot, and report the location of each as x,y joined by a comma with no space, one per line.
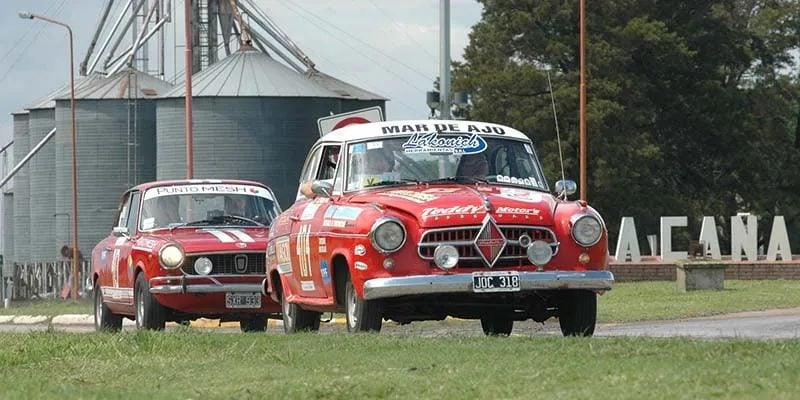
243,300
495,281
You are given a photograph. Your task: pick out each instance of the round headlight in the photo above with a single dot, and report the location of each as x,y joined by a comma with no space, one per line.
445,257
388,234
586,229
203,265
539,253
171,256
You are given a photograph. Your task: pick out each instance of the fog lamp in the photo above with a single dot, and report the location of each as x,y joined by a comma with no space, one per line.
539,253
203,266
445,257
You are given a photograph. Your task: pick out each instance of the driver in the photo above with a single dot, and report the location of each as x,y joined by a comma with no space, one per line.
235,205
473,165
377,165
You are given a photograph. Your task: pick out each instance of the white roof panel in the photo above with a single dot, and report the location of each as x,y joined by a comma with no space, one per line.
409,127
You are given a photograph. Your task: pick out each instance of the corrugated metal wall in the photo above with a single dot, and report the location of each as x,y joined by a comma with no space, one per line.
42,187
261,139
8,233
113,155
22,208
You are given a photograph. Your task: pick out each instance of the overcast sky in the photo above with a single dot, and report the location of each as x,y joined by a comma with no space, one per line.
386,46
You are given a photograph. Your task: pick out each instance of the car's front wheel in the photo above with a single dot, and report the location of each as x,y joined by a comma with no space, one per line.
577,313
104,319
362,315
150,314
296,319
497,325
253,323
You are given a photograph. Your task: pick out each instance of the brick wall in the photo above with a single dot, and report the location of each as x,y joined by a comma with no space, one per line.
743,270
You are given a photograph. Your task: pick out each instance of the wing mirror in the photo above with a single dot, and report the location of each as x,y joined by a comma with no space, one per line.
566,188
120,231
322,188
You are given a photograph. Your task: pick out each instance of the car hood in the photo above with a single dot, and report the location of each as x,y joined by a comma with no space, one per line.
453,205
213,239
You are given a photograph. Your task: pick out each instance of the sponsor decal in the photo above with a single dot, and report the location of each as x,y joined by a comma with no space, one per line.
471,128
374,145
445,143
326,276
410,195
323,245
521,195
115,267
517,210
103,254
361,266
118,294
207,188
343,212
455,210
358,148
360,250
303,247
310,211
282,252
531,181
307,285
334,223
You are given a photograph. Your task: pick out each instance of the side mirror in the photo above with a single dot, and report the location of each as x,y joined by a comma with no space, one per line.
120,231
322,188
566,188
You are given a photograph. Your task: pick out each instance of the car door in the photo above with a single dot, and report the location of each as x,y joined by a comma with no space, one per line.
309,266
121,265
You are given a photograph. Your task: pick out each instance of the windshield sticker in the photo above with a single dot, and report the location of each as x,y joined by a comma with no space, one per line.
445,143
374,145
358,148
456,210
207,189
410,195
372,180
531,181
528,148
521,195
148,223
515,210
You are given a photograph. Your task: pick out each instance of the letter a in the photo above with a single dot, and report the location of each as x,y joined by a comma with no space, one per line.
779,241
627,243
708,235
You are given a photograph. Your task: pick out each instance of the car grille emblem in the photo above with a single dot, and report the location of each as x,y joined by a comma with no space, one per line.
240,263
490,241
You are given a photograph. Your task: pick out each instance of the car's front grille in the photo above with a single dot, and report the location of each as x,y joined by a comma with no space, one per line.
463,239
229,263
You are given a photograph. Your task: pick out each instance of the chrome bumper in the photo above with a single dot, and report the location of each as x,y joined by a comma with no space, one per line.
462,283
186,284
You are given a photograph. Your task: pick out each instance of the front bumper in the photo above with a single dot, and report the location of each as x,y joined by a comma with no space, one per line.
462,283
200,284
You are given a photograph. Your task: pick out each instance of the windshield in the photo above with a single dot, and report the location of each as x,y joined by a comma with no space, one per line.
207,204
439,156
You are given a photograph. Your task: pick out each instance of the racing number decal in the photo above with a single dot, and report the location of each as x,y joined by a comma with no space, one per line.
304,250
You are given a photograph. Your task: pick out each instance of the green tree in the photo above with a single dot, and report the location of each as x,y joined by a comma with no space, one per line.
692,105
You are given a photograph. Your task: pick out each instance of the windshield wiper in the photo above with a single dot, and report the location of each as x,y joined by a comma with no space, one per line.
458,179
401,181
222,218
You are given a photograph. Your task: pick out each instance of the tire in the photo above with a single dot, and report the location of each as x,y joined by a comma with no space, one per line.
577,313
150,314
104,319
296,319
254,323
497,325
362,315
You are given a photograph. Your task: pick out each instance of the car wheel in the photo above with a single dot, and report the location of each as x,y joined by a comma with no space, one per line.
104,319
497,325
296,319
577,313
150,314
362,315
254,323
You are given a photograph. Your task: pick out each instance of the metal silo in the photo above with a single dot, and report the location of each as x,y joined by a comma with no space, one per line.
22,208
8,233
42,186
254,119
116,131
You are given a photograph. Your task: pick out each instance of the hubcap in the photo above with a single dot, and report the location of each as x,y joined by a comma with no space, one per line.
351,308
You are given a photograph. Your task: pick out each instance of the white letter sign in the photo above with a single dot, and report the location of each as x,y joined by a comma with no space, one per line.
744,238
627,243
708,235
779,241
666,238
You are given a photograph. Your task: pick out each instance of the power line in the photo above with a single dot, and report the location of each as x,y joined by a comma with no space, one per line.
396,25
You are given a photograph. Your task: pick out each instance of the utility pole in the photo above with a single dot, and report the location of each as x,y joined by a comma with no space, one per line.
582,111
444,56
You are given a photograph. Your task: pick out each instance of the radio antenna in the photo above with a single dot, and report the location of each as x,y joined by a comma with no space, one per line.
558,134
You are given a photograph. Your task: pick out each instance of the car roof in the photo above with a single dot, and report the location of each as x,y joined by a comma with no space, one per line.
356,132
148,185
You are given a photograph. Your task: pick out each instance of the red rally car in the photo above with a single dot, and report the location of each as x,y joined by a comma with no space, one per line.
421,220
181,250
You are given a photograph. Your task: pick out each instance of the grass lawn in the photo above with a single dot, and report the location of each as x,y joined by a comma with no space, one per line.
188,364
48,307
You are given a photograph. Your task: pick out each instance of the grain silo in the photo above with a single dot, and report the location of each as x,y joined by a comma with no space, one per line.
116,118
8,233
254,119
22,208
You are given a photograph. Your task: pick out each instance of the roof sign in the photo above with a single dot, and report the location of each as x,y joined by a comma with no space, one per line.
363,116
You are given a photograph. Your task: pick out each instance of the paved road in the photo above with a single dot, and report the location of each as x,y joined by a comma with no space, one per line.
761,325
